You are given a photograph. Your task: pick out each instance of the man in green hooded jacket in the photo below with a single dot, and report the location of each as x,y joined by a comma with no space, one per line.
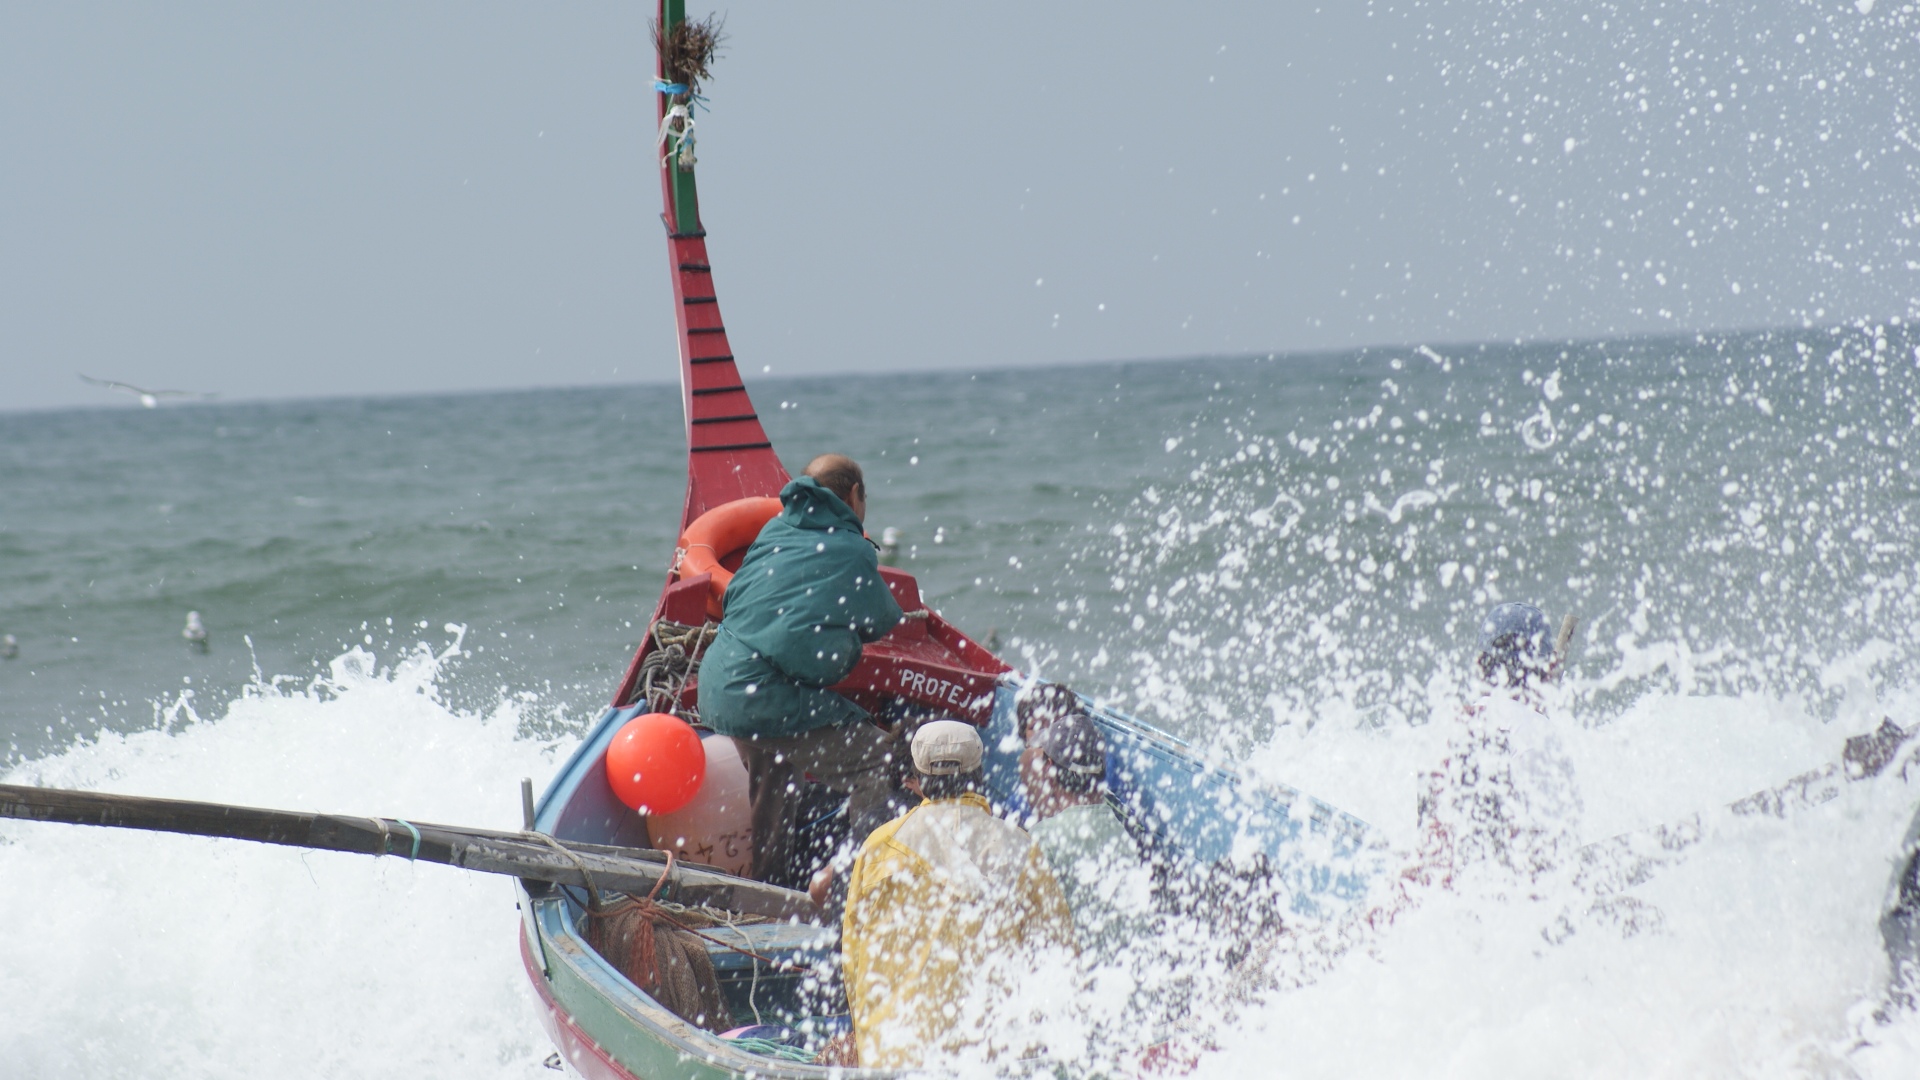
807,596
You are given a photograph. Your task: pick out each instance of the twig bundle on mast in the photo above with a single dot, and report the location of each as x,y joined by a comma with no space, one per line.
688,51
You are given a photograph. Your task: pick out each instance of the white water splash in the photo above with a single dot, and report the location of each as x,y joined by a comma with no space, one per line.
133,954
1719,655
168,956
1758,953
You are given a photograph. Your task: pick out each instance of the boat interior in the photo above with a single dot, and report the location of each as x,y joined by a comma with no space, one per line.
774,956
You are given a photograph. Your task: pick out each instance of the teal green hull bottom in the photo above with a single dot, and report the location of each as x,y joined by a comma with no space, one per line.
607,1029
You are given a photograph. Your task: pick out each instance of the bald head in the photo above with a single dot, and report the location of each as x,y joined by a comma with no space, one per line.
841,475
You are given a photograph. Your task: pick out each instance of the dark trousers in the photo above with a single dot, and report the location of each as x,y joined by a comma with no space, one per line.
855,758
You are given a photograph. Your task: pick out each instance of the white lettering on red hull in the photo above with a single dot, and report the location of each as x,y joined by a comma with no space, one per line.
933,688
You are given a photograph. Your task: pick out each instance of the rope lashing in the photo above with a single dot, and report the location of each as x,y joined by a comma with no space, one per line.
386,837
415,853
682,136
753,986
593,891
673,89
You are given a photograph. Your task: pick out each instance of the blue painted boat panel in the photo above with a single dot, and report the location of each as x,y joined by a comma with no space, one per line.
579,805
1204,812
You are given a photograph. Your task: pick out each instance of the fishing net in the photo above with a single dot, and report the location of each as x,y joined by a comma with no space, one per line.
657,952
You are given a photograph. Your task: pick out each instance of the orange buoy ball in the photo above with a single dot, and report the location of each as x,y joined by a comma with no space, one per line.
656,764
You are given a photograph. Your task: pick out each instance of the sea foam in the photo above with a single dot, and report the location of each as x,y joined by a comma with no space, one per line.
136,954
156,955
1753,952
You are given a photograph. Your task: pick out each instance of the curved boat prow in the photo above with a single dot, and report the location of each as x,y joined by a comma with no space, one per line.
729,455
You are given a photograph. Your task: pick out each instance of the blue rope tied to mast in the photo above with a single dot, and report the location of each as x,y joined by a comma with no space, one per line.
415,853
662,86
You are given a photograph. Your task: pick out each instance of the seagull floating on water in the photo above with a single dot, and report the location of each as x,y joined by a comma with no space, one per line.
9,646
148,398
195,631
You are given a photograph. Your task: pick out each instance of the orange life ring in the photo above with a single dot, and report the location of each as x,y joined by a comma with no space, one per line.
719,533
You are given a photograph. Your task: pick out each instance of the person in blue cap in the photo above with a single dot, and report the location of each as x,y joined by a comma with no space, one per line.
1516,646
1505,796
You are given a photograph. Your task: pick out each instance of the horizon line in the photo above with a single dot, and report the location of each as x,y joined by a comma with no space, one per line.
1252,355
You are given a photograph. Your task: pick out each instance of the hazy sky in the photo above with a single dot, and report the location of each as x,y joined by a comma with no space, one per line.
285,200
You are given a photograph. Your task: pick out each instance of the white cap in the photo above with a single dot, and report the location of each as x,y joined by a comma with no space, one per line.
946,748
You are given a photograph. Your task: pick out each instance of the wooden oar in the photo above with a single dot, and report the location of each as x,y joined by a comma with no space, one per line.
527,855
1562,641
1617,863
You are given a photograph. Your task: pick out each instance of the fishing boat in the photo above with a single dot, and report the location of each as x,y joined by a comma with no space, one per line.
761,958
1189,811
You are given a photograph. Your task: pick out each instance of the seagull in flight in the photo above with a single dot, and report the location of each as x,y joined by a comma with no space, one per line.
148,398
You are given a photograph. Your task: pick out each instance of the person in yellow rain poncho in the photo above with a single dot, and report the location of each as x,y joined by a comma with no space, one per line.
945,904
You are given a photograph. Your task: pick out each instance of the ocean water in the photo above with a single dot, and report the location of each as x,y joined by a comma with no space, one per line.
415,602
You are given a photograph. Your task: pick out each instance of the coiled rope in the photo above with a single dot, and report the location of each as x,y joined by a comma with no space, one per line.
673,662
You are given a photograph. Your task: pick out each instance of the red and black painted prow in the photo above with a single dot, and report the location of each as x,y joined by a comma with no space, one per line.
729,455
